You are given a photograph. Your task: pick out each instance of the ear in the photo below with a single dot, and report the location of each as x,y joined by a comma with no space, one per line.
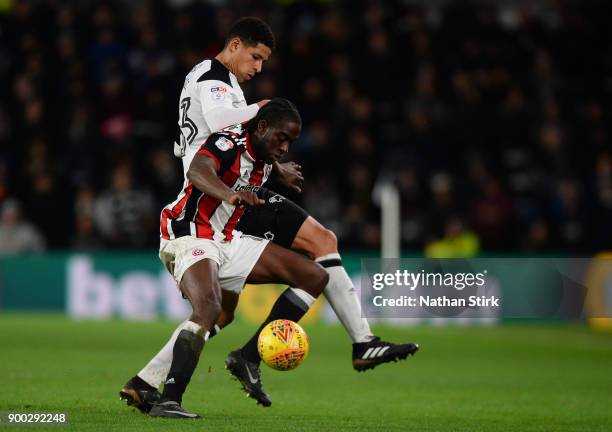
235,43
262,127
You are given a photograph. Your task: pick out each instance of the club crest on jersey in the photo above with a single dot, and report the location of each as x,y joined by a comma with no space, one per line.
198,252
218,93
224,144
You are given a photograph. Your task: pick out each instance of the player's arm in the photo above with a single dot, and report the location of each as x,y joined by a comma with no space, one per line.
288,174
204,172
217,107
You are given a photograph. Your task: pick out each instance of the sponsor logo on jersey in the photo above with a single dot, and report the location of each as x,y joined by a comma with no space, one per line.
198,252
224,144
247,188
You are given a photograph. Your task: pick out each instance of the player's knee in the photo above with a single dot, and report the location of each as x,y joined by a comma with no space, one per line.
207,312
326,241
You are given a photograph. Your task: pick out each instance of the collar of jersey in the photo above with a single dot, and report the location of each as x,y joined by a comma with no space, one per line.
233,80
248,146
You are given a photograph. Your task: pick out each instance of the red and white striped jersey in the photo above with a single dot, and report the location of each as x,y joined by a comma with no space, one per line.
197,214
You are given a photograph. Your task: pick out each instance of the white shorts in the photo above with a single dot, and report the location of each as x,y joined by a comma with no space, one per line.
236,259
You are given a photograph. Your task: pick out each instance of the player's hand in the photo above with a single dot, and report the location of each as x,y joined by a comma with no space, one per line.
290,175
245,199
262,102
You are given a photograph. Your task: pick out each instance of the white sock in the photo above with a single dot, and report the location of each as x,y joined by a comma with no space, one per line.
341,295
304,296
155,372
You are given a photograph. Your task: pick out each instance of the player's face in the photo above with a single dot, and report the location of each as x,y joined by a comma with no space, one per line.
275,140
248,60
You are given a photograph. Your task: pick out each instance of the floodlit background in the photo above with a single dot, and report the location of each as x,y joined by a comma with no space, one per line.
493,119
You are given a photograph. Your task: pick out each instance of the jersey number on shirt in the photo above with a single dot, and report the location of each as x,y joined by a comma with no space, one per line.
186,123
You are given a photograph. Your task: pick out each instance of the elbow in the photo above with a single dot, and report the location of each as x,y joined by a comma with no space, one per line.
190,174
195,175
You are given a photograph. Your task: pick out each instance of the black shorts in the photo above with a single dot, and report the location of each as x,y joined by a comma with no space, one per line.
279,220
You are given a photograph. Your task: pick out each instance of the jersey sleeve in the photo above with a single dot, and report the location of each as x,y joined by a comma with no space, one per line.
214,94
220,149
221,117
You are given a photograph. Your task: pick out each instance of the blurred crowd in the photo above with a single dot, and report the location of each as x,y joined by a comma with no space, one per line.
491,118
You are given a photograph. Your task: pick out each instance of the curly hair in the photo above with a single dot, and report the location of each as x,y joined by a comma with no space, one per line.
274,112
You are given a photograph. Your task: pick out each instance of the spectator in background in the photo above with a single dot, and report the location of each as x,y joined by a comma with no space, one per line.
569,214
492,215
17,236
86,236
442,206
457,242
524,88
123,214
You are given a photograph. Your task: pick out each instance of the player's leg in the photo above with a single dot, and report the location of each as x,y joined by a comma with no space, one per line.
321,245
369,351
229,302
276,265
289,225
280,265
200,285
141,391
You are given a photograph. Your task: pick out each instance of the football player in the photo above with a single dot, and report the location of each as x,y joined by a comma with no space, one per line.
211,99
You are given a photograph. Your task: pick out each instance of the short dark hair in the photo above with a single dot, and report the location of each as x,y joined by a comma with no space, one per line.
252,30
274,112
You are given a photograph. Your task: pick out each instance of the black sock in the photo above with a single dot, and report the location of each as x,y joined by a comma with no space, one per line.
185,355
214,331
288,306
141,384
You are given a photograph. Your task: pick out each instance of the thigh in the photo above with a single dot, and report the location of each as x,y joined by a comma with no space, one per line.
241,256
178,255
281,265
313,239
200,283
279,220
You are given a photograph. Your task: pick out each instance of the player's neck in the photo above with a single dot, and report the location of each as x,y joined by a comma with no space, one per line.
223,58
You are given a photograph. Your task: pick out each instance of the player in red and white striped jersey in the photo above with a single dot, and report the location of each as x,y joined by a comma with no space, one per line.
211,99
205,255
203,216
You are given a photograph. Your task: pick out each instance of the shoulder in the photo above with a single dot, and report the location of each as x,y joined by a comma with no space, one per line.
216,72
225,141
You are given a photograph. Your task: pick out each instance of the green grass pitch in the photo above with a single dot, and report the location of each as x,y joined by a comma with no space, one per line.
518,377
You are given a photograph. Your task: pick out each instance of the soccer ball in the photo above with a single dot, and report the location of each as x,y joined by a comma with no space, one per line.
283,345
